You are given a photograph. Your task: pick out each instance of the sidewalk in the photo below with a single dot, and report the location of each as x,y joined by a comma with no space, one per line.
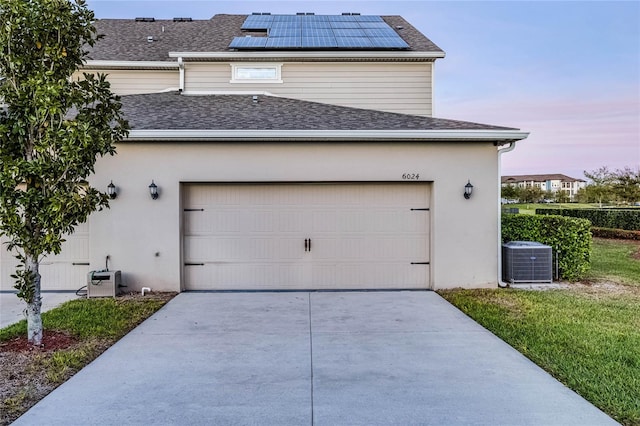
12,308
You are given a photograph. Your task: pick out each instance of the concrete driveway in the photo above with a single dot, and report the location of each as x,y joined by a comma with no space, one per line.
346,358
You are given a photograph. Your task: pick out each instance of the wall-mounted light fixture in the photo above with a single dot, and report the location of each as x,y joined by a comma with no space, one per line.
153,190
111,191
468,190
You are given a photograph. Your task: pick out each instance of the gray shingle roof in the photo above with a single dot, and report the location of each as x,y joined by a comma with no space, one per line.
126,39
171,110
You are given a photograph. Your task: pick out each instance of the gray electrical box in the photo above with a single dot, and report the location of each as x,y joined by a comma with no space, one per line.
526,262
104,283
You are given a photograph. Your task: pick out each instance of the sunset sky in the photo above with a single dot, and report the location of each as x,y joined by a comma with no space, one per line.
566,71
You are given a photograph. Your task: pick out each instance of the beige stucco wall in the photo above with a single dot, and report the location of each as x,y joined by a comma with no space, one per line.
143,236
395,87
128,82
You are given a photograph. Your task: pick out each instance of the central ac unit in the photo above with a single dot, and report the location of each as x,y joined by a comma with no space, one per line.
526,262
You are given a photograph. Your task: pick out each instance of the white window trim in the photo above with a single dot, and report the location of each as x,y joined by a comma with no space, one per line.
272,65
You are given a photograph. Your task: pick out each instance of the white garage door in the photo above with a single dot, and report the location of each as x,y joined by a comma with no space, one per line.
306,236
65,271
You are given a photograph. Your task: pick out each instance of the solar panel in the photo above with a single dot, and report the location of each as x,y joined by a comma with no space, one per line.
373,25
354,42
369,18
248,42
389,42
319,42
257,22
284,42
344,24
285,25
317,32
350,31
341,18
380,32
285,32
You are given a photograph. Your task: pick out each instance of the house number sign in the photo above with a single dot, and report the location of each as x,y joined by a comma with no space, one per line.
410,176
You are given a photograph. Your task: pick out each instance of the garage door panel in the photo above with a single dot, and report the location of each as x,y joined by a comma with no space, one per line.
65,271
253,236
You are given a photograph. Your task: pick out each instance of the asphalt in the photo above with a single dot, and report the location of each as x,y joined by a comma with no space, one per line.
344,358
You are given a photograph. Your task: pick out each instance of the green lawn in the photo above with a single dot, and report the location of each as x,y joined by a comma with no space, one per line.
590,340
612,260
530,208
587,336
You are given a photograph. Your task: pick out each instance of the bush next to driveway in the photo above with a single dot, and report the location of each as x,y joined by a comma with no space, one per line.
570,239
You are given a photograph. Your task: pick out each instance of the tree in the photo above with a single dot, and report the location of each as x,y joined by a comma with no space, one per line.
509,192
600,188
52,130
626,184
530,194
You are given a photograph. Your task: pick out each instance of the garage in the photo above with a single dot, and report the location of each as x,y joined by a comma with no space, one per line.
62,272
306,236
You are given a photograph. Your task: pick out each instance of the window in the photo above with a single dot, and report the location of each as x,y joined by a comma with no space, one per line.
255,73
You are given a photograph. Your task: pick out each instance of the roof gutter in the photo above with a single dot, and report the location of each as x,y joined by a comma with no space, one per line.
346,55
173,135
143,65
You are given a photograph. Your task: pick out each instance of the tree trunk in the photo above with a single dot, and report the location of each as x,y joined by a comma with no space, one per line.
34,317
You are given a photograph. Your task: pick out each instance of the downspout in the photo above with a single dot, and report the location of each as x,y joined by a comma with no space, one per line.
511,147
181,70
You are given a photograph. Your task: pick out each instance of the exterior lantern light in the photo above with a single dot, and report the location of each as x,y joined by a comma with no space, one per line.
111,191
468,190
153,190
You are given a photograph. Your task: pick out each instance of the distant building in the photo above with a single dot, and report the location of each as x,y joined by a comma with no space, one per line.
550,182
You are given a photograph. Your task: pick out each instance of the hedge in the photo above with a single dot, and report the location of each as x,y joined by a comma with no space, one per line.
569,238
615,233
628,220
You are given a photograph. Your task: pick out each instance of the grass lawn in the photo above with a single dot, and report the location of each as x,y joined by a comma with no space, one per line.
75,333
530,208
615,260
587,336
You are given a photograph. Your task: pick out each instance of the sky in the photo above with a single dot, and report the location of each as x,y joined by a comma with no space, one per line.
568,72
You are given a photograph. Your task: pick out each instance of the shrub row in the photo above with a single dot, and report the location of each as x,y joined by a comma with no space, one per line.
602,218
569,238
615,233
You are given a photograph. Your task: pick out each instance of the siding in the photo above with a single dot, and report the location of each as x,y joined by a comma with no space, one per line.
394,87
127,82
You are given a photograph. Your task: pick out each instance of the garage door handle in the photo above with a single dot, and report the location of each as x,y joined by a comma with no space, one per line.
309,244
306,245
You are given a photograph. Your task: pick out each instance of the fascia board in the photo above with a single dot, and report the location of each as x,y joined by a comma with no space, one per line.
326,135
346,55
103,64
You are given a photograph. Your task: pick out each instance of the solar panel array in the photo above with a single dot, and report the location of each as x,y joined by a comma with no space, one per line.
355,32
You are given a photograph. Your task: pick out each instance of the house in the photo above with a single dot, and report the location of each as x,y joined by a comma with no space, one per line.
547,182
283,152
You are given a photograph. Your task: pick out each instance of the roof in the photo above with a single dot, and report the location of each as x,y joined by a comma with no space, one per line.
172,110
539,178
179,114
127,39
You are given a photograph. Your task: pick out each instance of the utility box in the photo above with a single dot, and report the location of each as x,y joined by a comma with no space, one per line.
104,283
526,262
